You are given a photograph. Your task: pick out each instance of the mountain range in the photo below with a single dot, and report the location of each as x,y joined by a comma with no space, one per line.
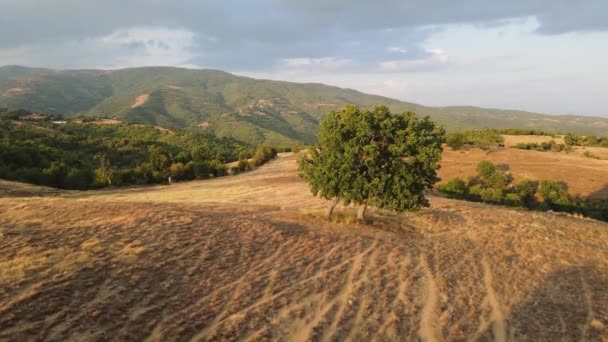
250,110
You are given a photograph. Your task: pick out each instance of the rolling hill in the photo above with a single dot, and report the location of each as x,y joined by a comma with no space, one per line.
247,109
246,258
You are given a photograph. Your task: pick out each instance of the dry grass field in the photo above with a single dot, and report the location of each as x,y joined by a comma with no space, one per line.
584,176
247,258
512,140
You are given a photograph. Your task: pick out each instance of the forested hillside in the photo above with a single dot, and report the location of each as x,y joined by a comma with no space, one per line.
249,110
85,155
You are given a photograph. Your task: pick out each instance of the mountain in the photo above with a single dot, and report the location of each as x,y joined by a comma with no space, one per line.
247,109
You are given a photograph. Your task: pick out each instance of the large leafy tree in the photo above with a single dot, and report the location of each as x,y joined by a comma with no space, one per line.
374,158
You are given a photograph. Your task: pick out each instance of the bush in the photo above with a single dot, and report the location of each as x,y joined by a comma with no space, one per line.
201,169
475,191
486,169
513,200
491,195
455,188
455,140
218,169
554,194
243,165
588,154
525,191
484,139
178,171
263,154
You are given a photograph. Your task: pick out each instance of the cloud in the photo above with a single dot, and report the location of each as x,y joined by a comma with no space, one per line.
396,49
246,35
437,58
371,45
315,65
139,46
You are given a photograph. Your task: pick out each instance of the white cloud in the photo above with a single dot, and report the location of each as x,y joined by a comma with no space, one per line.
436,58
396,49
131,47
149,46
314,65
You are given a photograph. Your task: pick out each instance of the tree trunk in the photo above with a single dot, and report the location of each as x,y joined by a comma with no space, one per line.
330,209
361,212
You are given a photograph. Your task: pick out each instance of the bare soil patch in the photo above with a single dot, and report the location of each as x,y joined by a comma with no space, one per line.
140,100
13,91
108,122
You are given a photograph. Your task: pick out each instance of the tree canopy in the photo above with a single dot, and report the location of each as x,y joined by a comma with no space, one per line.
374,158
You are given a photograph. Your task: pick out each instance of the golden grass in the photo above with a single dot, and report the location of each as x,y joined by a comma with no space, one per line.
512,140
584,176
249,258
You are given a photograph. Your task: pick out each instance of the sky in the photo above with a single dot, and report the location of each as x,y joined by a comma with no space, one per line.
546,56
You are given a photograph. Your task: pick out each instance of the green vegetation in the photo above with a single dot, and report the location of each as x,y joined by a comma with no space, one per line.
374,158
589,154
590,140
249,110
483,139
89,155
492,185
519,131
542,147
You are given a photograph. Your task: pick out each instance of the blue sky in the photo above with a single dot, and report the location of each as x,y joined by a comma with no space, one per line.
538,55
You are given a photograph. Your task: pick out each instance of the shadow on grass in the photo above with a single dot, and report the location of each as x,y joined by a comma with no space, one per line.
570,305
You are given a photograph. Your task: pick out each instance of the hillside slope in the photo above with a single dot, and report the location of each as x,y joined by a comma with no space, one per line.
248,109
237,258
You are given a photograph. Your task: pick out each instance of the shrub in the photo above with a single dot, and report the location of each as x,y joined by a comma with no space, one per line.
525,190
513,200
570,139
262,154
243,165
486,169
455,188
218,169
554,194
177,171
491,195
588,154
201,169
455,140
475,191
484,139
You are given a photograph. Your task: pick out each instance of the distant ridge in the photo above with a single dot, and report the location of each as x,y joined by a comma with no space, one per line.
247,109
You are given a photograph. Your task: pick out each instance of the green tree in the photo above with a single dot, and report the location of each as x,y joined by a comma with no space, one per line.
374,158
159,159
